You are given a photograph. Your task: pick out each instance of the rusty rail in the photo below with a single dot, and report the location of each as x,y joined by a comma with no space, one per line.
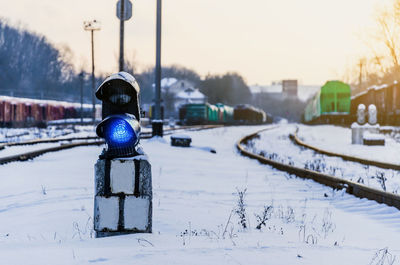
356,189
294,137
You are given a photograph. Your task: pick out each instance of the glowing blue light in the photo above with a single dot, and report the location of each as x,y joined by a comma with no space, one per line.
119,132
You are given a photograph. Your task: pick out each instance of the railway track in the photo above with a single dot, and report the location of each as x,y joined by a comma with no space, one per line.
88,141
144,135
356,189
294,137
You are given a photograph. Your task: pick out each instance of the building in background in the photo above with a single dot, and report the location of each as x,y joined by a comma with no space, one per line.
189,95
176,93
288,103
289,87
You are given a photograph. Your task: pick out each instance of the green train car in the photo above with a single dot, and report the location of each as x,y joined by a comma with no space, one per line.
225,113
331,104
219,113
206,114
197,113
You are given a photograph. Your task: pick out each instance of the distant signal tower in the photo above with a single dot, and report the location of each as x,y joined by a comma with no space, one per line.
289,87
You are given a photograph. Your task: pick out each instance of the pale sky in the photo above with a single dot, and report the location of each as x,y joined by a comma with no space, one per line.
264,40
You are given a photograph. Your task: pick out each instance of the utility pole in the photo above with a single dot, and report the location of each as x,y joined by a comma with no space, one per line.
81,86
124,12
361,64
92,26
157,123
121,36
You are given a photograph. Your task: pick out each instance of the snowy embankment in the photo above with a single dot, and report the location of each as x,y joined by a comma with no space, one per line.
26,134
46,209
338,139
276,145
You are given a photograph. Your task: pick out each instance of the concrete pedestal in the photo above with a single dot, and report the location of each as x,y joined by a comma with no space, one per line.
123,196
373,139
357,132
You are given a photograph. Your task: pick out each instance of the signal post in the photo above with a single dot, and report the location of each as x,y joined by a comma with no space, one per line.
123,184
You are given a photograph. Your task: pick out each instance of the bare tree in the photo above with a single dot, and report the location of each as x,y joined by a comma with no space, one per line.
382,64
388,33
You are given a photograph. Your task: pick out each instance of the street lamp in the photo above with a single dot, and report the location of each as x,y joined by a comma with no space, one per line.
92,26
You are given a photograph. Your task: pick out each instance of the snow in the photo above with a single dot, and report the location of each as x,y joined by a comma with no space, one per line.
338,139
180,136
46,212
71,121
26,134
44,102
276,145
190,94
122,176
168,81
110,206
373,136
136,213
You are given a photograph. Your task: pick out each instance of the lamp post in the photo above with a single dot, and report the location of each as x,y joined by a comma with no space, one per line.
121,37
92,26
81,75
157,124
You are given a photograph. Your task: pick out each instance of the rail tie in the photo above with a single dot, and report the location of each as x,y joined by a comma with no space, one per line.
33,154
294,137
356,189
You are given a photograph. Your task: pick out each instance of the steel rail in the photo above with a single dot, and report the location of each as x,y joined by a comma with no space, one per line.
294,137
145,135
36,153
47,140
356,189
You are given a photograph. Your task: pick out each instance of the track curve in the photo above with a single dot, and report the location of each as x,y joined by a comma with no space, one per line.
294,137
350,187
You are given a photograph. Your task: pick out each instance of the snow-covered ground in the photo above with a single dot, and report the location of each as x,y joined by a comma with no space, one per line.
46,209
338,139
25,134
276,145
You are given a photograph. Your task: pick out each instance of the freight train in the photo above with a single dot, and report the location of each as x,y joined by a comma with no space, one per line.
334,104
24,112
221,114
331,104
386,98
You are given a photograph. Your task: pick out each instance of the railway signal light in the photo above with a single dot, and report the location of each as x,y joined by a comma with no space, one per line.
123,189
120,127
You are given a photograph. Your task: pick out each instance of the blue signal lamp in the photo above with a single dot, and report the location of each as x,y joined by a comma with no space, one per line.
121,133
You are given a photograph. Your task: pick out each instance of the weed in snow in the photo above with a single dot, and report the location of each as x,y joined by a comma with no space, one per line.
86,230
383,257
241,209
44,192
344,169
264,216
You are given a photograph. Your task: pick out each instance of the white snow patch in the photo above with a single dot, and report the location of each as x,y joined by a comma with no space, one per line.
108,213
136,212
122,176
